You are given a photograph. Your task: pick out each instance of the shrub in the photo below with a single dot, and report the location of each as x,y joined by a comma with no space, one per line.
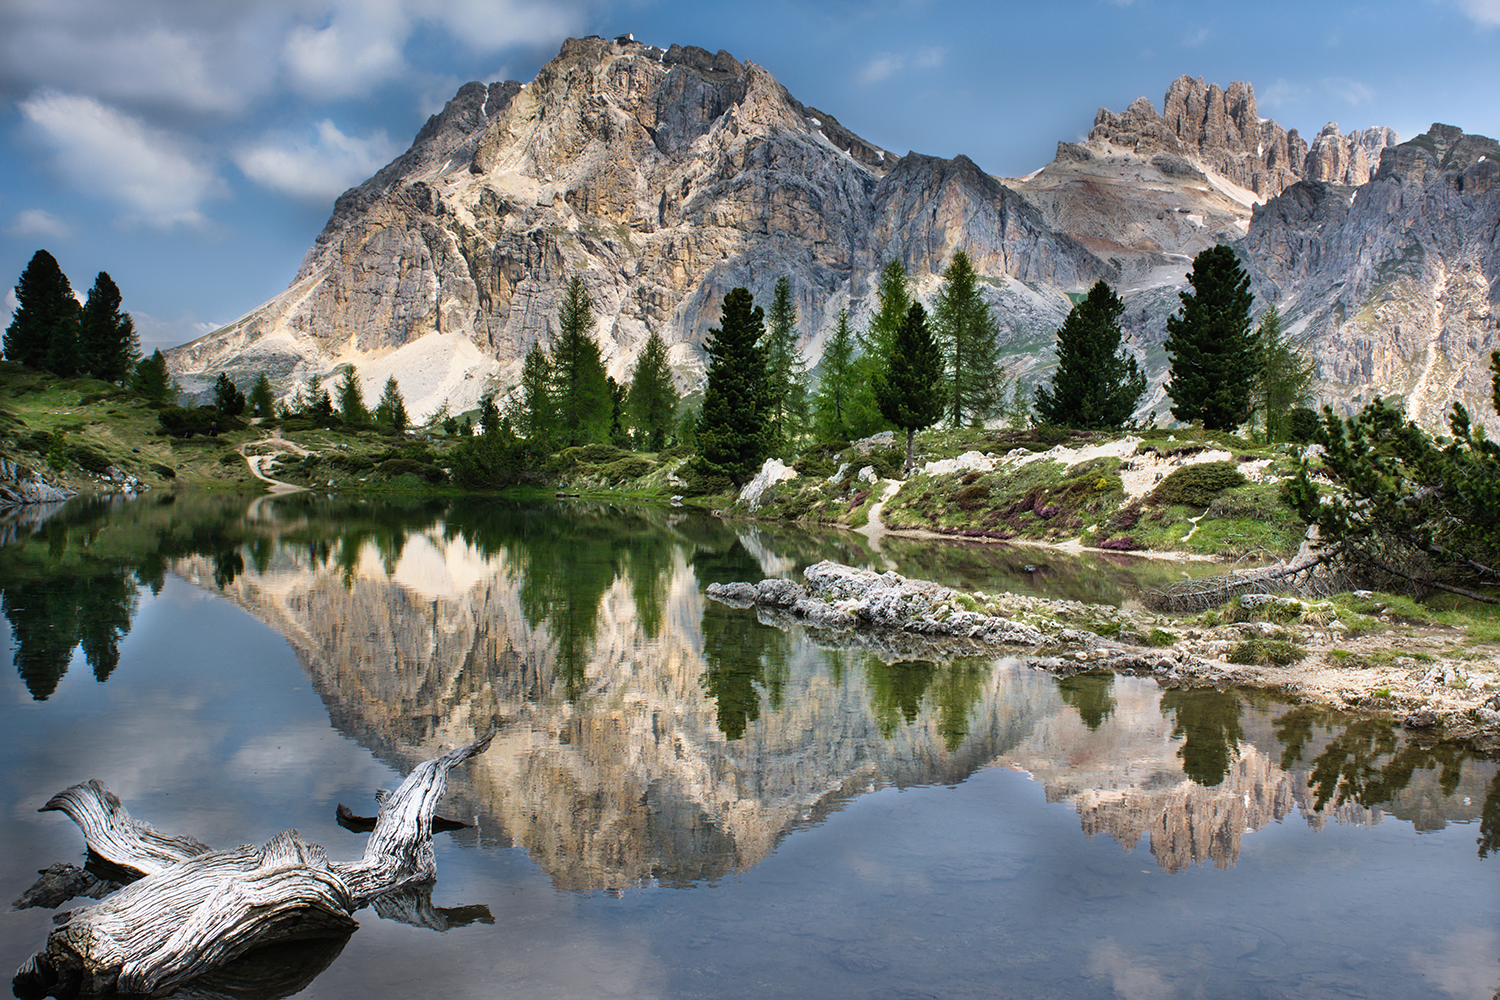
815,463
185,421
627,468
1267,652
1303,425
1197,485
164,471
394,467
703,478
230,458
88,459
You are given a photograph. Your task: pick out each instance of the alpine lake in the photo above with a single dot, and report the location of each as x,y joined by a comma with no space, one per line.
683,801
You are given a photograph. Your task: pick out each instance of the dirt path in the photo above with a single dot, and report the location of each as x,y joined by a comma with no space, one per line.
875,528
257,463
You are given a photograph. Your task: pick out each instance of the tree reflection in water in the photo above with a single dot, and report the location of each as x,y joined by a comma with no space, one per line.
1091,695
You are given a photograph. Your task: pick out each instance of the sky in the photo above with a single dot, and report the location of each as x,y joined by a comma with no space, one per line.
193,148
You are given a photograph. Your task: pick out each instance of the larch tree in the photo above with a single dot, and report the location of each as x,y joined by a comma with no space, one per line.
227,396
732,428
262,398
580,387
786,372
1097,384
905,390
1216,357
391,410
652,403
969,337
538,416
352,409
893,295
1286,377
44,327
107,344
836,383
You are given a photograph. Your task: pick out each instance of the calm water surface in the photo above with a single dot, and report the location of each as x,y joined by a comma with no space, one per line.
685,802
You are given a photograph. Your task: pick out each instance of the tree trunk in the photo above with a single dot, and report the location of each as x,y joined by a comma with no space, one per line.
196,909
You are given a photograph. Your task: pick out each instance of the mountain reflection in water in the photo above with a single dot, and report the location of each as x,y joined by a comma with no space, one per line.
649,736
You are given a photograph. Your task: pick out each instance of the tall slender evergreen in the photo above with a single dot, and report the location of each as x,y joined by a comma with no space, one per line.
391,410
969,337
836,386
786,372
652,403
905,389
1097,384
580,387
1216,357
107,344
151,378
262,398
893,295
44,328
1286,378
352,399
538,414
732,428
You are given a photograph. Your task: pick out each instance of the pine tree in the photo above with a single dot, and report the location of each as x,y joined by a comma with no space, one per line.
1286,377
968,334
836,386
391,410
905,390
652,403
538,415
107,345
1215,356
786,372
732,427
894,296
152,380
262,398
489,417
580,387
352,399
46,314
1096,385
227,396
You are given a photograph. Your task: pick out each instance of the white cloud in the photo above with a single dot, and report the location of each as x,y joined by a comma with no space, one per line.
154,175
930,57
358,47
10,304
1281,93
37,222
486,25
1484,12
887,63
1197,38
1350,91
317,170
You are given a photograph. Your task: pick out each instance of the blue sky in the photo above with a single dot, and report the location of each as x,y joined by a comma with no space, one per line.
193,149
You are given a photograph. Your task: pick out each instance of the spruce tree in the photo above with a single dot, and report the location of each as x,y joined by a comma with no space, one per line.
352,409
262,398
580,387
652,403
107,345
968,334
391,410
227,396
1096,385
893,295
836,385
538,413
1286,377
905,390
151,378
1216,358
786,372
732,427
44,326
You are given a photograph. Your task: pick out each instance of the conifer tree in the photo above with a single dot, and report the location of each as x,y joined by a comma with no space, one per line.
352,409
107,345
1096,385
44,327
786,372
262,398
836,385
1286,377
391,410
538,414
731,429
893,295
489,417
152,380
1215,355
227,396
652,403
905,390
968,334
580,387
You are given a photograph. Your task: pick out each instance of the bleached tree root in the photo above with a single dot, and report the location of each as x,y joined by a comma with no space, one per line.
196,909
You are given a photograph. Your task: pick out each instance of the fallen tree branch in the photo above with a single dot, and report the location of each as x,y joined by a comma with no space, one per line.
196,909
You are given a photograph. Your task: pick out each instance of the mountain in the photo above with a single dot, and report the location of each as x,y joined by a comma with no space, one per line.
666,177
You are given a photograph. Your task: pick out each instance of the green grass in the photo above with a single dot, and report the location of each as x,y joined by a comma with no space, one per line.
1267,652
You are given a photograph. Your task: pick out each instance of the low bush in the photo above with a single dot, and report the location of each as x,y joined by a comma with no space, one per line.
88,459
1197,485
1267,652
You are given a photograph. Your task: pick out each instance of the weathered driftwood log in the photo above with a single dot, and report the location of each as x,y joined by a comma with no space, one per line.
197,909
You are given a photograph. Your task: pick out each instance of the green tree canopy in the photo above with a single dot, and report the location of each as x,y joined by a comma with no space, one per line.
786,371
1096,385
391,410
894,300
836,383
107,345
968,334
227,396
352,399
1216,358
151,378
1286,377
732,429
580,387
262,398
652,403
43,330
905,389
538,416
